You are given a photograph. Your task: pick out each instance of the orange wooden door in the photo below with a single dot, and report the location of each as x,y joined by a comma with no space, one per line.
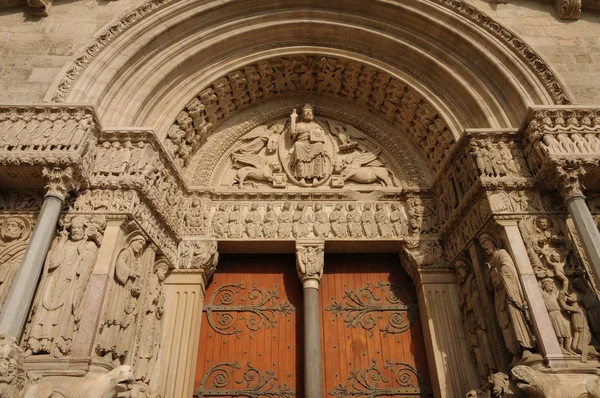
372,337
251,335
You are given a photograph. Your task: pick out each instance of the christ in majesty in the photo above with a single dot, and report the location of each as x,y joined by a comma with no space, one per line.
308,158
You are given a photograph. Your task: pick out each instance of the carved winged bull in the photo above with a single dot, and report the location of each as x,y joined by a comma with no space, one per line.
363,167
257,168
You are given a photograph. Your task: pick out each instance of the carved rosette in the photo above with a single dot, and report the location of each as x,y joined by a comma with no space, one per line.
310,260
60,182
568,9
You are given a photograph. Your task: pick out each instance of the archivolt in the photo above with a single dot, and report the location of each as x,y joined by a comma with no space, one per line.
473,72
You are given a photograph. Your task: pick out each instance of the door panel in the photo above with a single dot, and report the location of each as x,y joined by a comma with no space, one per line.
251,335
372,337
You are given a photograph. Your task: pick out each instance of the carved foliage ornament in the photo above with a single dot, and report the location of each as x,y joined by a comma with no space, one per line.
353,81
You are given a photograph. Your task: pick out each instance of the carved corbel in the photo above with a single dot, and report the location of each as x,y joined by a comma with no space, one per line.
199,254
568,9
39,8
310,261
60,182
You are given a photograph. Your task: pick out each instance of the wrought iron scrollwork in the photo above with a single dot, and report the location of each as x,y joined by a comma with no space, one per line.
405,381
362,307
217,382
261,310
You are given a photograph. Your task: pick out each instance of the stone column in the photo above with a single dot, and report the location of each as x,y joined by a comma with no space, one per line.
546,338
570,188
310,258
452,370
184,294
16,308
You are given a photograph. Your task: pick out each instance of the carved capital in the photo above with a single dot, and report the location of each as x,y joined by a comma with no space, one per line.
60,181
199,254
310,260
568,180
421,254
568,9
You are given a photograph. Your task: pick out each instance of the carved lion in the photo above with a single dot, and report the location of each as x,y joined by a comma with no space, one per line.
541,385
107,385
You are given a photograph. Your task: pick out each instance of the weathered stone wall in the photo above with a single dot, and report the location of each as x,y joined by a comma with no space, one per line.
34,50
572,49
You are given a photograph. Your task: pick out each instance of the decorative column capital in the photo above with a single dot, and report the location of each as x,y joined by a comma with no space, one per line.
60,182
14,378
568,180
421,255
568,9
199,254
310,261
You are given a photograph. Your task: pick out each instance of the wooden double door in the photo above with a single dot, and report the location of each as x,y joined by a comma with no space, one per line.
251,341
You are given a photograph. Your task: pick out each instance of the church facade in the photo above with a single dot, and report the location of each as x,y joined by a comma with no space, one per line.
299,199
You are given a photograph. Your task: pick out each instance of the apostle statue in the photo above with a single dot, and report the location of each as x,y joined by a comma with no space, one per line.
308,157
14,232
59,306
117,329
511,307
151,323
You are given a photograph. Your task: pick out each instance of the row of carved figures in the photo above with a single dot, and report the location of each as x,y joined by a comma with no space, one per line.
342,221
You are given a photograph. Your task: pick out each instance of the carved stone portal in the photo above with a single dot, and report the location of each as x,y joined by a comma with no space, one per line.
307,152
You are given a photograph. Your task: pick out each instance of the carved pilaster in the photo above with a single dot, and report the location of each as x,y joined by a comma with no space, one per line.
310,260
60,182
199,254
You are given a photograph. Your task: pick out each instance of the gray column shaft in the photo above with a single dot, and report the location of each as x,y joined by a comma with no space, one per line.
313,372
587,230
14,314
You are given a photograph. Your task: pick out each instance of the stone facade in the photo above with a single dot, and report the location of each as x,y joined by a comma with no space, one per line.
138,139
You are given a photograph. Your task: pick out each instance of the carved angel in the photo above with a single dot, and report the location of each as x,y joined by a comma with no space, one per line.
257,168
363,167
261,137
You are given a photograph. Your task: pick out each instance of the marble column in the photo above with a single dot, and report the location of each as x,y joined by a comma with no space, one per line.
570,188
16,308
310,258
452,370
546,338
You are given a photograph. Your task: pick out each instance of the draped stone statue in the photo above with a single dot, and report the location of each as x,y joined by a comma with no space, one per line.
511,307
59,305
308,158
117,329
473,316
14,232
149,344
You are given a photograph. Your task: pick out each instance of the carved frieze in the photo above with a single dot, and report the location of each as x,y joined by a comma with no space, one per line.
326,220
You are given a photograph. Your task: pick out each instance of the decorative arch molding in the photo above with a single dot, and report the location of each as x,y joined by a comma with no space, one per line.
146,67
405,158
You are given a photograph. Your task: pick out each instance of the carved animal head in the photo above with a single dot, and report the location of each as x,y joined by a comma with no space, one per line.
498,383
122,378
529,381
